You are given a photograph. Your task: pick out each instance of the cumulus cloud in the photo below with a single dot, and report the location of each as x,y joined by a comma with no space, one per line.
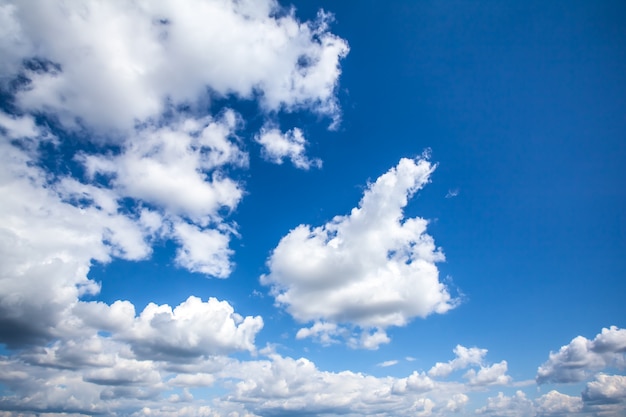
516,405
556,404
581,357
373,268
193,328
490,375
48,244
464,358
115,63
277,146
605,389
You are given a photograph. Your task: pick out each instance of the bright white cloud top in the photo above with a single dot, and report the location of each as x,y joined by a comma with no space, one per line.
133,133
372,268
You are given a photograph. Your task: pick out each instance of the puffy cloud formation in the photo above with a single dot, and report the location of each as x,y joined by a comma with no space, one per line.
111,64
581,357
372,268
193,328
517,405
464,358
606,390
134,81
556,404
110,376
277,146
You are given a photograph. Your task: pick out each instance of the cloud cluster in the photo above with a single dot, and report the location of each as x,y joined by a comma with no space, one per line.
373,268
133,80
112,64
581,357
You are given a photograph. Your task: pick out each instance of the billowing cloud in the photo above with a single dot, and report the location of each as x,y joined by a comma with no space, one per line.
489,375
372,268
556,404
115,63
278,146
605,390
581,357
464,358
517,405
191,329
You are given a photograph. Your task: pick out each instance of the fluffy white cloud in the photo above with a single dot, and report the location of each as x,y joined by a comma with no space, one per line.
464,358
48,241
606,389
372,268
490,375
191,329
277,146
502,406
113,63
581,357
556,404
174,167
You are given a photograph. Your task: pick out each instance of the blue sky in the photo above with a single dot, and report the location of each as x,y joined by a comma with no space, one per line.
221,208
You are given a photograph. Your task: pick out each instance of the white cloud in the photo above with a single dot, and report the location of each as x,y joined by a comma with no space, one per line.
457,403
18,127
277,146
119,62
464,358
175,167
205,251
556,404
372,268
48,242
452,193
490,375
193,328
581,357
606,389
387,364
502,406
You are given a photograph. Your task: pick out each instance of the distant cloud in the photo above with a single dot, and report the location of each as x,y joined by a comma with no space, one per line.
452,193
386,364
464,358
517,405
581,357
372,268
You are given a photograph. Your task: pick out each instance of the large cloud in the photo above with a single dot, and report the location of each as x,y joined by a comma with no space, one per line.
140,73
110,64
373,268
581,357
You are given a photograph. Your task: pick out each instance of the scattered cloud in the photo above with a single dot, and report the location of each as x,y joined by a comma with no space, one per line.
502,406
372,268
387,364
452,193
464,358
581,357
277,146
556,404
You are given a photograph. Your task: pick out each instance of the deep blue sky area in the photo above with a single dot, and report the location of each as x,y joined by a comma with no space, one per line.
520,104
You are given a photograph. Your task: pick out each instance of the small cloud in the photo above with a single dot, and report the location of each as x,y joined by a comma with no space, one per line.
452,193
386,364
410,359
278,146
